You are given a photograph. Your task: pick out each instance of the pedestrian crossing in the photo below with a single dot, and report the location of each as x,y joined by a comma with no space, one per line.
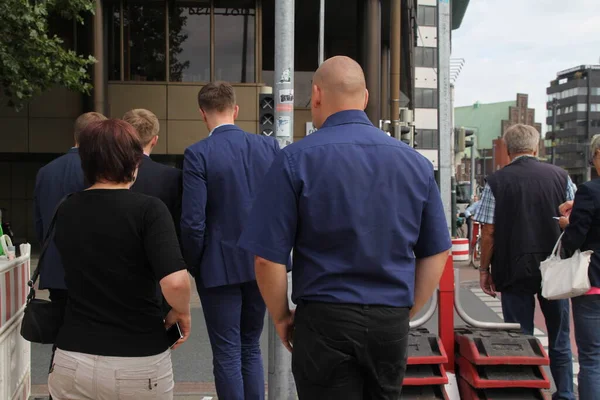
496,306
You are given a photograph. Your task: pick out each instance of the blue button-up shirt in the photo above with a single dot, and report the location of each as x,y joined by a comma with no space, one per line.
357,206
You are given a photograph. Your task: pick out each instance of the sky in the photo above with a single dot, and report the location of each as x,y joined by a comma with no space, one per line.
518,46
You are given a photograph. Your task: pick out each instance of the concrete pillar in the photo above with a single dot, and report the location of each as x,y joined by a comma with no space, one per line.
385,83
395,50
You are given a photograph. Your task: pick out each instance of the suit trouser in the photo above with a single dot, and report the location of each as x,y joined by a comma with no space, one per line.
78,376
235,317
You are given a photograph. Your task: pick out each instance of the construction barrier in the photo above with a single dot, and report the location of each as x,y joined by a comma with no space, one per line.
15,352
460,249
508,361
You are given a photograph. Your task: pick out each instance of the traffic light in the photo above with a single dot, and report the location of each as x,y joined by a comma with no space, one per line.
467,135
460,139
415,144
406,134
266,117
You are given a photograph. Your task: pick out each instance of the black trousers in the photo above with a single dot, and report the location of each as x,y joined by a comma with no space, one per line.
349,352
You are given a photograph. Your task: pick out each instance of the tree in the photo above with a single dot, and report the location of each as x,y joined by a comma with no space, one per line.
31,59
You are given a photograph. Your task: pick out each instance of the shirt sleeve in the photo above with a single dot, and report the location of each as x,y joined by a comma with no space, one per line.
434,237
485,212
580,220
160,240
571,189
193,208
270,231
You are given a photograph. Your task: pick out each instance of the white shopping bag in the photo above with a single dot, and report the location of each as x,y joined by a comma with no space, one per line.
565,278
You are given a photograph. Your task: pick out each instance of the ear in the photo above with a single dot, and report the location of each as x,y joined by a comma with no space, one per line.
366,99
236,111
154,141
315,98
203,116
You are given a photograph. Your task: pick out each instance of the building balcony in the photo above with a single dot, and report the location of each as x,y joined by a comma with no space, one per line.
579,131
570,163
570,148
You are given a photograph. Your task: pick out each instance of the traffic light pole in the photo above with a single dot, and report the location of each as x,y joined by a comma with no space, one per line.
444,108
280,380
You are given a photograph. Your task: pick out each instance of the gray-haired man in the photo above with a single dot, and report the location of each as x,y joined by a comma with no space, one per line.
517,207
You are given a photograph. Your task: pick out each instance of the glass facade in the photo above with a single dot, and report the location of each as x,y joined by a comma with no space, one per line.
426,16
426,57
176,40
426,98
427,138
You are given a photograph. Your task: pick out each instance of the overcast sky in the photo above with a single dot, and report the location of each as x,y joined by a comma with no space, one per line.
512,46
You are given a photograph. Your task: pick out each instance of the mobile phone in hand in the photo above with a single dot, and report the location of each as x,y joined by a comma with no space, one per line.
174,334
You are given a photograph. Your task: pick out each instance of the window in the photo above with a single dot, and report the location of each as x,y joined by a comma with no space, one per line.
595,92
426,57
595,107
427,138
189,41
550,113
140,28
426,16
426,98
234,40
144,40
581,107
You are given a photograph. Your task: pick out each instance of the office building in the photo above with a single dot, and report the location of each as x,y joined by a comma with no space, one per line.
574,118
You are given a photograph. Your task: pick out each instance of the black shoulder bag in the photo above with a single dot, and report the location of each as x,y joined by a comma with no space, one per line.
43,319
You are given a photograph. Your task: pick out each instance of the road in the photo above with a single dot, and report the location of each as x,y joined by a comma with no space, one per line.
192,362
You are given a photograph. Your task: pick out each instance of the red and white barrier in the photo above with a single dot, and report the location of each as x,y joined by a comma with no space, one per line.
15,352
460,249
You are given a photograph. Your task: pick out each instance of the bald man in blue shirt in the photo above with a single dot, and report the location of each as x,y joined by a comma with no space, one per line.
364,217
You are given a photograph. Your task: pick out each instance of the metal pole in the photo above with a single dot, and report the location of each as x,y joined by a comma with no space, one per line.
98,69
554,107
422,320
444,107
372,60
454,229
473,166
322,32
280,379
395,47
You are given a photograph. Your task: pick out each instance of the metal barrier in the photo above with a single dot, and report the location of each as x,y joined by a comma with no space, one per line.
15,352
422,320
471,321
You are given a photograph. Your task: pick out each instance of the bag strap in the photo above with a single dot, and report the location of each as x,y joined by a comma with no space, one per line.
558,245
47,240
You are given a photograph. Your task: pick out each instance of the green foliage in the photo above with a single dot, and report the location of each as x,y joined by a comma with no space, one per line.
31,59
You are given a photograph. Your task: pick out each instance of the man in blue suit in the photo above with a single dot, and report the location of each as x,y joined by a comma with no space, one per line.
221,175
54,181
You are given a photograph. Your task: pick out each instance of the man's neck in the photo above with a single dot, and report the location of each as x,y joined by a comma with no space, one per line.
148,150
211,125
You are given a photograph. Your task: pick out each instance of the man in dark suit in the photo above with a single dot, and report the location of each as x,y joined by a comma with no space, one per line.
153,178
54,181
221,176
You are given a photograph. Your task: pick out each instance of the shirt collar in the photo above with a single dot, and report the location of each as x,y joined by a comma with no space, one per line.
347,117
217,127
73,150
523,157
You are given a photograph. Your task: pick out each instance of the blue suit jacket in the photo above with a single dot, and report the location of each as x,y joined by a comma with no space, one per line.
54,181
221,177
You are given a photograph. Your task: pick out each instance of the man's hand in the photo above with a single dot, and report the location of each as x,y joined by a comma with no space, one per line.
185,324
285,330
563,222
486,283
566,208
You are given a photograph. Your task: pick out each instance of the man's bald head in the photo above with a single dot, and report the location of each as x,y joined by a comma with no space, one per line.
338,85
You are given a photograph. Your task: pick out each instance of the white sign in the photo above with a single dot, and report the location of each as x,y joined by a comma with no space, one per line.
310,128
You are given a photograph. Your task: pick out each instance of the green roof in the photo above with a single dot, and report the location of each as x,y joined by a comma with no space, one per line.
484,119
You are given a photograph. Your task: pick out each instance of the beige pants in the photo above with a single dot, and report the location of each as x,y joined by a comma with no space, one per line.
78,376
